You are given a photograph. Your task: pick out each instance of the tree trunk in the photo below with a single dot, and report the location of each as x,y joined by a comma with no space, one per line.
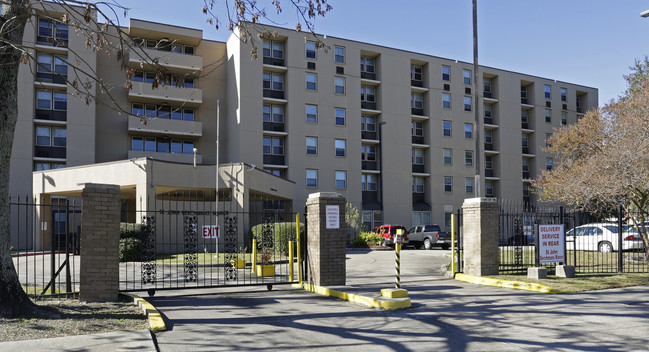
13,300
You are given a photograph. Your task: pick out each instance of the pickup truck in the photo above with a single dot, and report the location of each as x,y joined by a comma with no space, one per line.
427,236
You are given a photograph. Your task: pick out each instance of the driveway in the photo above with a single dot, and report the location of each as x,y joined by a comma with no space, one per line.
446,315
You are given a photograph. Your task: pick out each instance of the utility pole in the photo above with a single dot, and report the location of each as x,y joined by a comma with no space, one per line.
476,103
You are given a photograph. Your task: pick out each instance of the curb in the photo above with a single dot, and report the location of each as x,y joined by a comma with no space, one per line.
519,285
385,303
156,323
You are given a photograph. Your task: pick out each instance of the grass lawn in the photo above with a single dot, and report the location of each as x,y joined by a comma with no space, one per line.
584,282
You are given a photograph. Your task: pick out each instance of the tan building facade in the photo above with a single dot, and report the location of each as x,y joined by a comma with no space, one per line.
391,130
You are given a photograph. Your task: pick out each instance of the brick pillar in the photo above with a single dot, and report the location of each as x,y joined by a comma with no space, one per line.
99,267
326,246
480,236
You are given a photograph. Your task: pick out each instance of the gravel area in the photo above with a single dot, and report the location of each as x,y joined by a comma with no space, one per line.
71,317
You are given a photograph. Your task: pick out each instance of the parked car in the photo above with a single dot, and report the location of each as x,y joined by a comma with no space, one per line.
388,232
602,237
427,236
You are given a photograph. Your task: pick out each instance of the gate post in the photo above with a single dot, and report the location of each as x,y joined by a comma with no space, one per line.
326,238
480,236
99,264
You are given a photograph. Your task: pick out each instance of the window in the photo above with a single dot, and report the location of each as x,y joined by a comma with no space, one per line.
548,115
312,145
277,113
40,166
51,100
162,145
489,188
547,89
341,179
175,113
51,32
368,94
446,100
137,143
273,49
468,185
486,87
447,218
488,162
339,54
466,74
526,190
524,117
547,139
468,130
564,94
524,94
418,184
446,73
368,65
273,81
446,128
340,116
149,144
340,145
176,146
416,100
417,156
417,128
273,146
468,157
310,49
488,137
448,184
311,113
43,136
52,64
311,178
311,81
368,123
548,163
467,103
339,85
525,143
526,168
368,182
277,172
416,73
420,218
564,118
368,152
448,156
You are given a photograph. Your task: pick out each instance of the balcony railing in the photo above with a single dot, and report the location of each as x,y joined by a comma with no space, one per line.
417,111
370,196
416,83
369,165
526,175
524,125
274,126
274,159
273,61
50,152
51,78
418,168
275,94
419,197
368,75
526,150
488,146
488,121
368,105
489,172
418,140
52,115
369,135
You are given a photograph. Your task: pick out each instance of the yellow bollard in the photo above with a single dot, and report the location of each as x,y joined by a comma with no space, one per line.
397,264
254,255
290,261
299,250
453,244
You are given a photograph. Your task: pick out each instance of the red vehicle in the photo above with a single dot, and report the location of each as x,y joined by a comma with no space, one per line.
388,233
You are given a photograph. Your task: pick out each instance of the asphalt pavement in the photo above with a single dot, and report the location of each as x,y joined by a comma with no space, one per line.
446,315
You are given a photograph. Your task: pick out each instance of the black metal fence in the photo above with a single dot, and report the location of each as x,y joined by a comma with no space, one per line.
44,237
174,244
592,241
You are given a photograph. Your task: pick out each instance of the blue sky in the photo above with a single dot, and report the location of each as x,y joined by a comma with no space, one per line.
589,42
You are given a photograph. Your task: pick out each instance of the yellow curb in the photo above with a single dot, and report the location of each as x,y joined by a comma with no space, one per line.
394,303
156,323
394,293
519,285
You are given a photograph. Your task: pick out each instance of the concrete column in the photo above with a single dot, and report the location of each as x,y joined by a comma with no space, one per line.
326,242
480,236
99,266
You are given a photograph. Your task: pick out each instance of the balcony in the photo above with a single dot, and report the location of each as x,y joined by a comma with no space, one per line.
49,152
174,157
489,173
370,197
488,146
524,125
368,105
368,75
275,94
274,159
51,115
417,111
165,126
369,135
144,93
51,78
415,83
526,150
488,121
418,140
418,169
526,175
369,165
174,62
418,198
274,126
273,61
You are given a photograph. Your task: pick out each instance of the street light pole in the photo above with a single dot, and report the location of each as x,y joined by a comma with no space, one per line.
476,99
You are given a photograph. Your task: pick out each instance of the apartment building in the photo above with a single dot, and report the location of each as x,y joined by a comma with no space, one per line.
391,130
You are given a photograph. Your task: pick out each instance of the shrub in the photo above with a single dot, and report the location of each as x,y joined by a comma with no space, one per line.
366,239
130,242
282,233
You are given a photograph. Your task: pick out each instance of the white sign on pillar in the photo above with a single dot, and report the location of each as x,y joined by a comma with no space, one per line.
333,216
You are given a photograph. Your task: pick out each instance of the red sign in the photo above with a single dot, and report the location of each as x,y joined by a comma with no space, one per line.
210,231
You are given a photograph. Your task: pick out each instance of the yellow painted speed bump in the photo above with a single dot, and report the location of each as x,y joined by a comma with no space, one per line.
519,285
156,323
385,303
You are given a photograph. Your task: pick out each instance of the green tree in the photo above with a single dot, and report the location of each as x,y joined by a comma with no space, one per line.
602,160
104,36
